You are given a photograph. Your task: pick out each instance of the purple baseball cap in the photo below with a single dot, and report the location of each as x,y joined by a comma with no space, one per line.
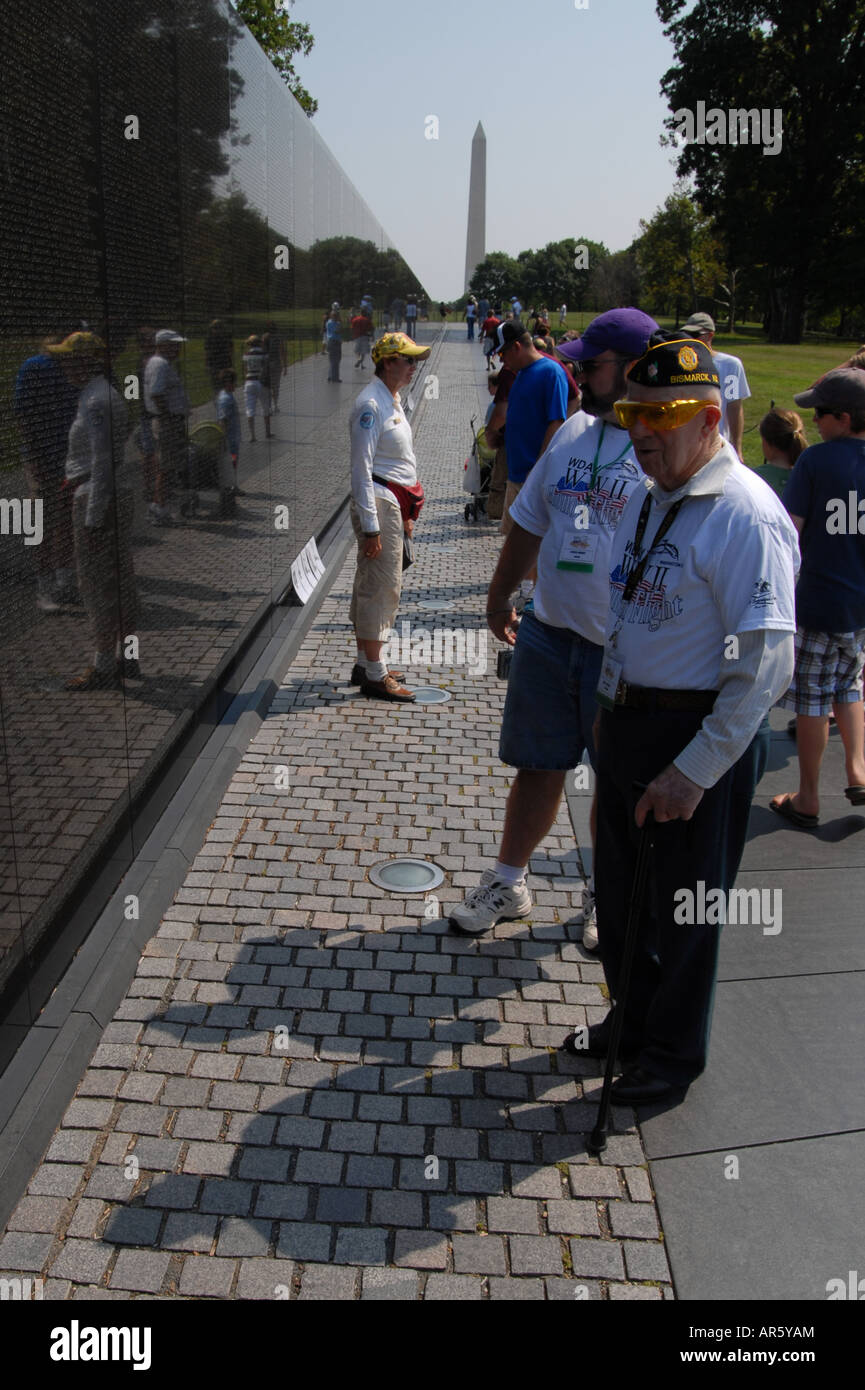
619,330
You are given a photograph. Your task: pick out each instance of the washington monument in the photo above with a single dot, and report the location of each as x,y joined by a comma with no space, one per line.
476,234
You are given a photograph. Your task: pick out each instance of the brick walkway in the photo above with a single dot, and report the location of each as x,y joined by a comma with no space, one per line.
313,1089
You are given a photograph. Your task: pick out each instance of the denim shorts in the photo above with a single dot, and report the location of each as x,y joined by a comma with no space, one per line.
550,703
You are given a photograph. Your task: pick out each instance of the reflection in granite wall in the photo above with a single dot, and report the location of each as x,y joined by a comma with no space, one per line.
157,176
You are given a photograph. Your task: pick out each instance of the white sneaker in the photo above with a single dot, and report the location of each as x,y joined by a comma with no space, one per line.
491,902
46,602
588,915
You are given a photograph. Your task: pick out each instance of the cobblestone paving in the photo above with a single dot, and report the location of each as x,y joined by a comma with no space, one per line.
314,1089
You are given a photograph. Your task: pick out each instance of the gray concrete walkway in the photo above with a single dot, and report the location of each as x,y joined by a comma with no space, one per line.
313,1089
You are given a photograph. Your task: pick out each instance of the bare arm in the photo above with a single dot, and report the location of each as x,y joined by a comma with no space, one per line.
519,554
736,424
551,429
496,424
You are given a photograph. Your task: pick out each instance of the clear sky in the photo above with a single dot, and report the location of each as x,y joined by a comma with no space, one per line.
569,99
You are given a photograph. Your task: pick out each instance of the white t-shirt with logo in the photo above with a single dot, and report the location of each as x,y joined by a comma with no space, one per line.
554,497
727,565
734,384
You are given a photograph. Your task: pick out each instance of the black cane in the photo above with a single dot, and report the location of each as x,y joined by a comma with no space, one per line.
597,1141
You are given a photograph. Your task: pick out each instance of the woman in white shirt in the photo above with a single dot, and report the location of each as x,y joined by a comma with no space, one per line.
386,498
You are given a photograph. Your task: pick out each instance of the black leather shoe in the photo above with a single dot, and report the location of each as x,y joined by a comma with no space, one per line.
597,1044
638,1087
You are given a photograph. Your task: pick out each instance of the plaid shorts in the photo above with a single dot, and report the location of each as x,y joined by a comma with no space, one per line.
828,671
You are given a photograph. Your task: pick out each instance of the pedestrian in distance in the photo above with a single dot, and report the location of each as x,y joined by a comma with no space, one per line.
333,334
229,418
255,390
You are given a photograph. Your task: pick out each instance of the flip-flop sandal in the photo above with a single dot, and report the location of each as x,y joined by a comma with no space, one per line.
855,795
787,811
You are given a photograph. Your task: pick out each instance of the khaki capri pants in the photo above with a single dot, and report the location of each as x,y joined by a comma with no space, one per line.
377,583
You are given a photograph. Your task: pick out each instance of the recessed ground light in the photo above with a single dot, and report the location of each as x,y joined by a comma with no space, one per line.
442,604
406,875
431,695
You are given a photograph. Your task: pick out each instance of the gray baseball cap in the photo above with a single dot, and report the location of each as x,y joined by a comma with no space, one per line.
842,390
699,323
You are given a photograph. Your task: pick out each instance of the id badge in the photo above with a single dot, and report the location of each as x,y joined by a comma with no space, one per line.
578,552
608,684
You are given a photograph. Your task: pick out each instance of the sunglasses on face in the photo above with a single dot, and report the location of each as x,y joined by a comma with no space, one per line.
658,415
592,364
821,410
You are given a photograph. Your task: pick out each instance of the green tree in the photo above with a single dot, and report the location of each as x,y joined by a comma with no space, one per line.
614,281
796,214
562,270
678,255
281,38
497,276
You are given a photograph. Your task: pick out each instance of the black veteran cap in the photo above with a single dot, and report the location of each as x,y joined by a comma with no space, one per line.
682,362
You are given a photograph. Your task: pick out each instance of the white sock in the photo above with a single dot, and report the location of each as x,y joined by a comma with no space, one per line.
360,659
375,670
509,874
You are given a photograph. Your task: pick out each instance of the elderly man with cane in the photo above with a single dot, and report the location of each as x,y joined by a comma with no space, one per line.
699,645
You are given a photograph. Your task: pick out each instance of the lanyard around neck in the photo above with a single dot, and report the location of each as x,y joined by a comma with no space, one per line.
596,470
637,572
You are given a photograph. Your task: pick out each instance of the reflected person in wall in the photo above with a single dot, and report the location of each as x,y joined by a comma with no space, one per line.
386,499
102,512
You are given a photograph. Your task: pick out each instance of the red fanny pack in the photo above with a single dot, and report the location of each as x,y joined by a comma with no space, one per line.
410,499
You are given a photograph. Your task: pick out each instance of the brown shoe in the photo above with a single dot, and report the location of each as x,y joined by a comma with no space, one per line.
94,680
358,675
388,689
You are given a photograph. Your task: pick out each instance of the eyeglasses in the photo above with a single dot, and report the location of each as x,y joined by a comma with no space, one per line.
592,364
658,415
821,410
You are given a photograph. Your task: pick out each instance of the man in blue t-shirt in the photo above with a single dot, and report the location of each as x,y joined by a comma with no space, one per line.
537,406
826,501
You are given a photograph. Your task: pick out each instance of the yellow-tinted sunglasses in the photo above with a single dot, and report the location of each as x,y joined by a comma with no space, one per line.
658,415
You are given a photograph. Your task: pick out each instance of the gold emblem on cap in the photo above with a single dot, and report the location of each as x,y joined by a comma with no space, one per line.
688,359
